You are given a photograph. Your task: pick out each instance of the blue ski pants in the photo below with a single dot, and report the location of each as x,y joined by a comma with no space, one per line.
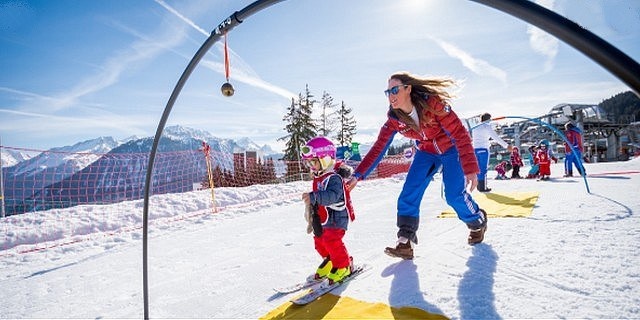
482,154
572,159
420,175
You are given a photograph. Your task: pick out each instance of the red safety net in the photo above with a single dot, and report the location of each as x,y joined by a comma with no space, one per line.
54,180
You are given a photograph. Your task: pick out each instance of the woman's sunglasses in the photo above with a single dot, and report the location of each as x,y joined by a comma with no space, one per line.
394,90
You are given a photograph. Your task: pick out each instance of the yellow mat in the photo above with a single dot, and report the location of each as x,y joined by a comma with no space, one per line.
504,204
331,306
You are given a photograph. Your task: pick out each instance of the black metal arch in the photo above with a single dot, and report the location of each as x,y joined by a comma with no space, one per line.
608,56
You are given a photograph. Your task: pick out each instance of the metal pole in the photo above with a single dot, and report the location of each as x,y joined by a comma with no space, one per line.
235,19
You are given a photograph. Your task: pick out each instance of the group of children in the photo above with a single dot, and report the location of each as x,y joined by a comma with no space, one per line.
540,157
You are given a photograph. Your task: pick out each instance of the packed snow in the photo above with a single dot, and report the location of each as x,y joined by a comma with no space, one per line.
576,256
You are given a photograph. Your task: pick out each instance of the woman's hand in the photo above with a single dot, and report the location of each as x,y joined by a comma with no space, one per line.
471,179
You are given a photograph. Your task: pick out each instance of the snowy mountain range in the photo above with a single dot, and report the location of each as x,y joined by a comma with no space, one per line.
104,170
13,156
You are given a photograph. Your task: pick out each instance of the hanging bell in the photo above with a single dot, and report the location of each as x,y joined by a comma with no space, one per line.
227,89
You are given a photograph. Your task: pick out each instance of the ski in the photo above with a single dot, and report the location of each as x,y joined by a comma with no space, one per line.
324,287
309,282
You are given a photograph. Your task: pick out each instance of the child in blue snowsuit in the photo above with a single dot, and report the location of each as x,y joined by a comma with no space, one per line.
535,168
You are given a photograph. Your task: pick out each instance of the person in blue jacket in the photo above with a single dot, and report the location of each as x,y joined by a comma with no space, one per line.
573,155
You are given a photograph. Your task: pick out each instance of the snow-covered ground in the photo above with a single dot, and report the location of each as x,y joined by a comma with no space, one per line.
576,256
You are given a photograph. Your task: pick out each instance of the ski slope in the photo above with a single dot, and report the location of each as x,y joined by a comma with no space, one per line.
576,256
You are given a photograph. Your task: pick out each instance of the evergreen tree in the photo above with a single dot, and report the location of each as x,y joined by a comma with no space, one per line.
329,118
299,126
309,129
347,128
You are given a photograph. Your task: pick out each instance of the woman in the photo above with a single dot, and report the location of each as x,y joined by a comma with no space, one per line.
418,110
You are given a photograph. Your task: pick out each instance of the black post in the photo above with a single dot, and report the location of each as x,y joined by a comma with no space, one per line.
228,24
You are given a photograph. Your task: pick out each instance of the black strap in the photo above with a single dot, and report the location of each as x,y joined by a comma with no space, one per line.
315,221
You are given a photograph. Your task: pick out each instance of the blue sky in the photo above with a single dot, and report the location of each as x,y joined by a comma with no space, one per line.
77,70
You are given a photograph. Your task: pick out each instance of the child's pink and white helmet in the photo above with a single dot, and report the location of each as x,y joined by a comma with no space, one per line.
322,149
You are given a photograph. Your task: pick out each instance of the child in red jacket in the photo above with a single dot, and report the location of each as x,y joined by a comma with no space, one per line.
501,169
543,159
516,163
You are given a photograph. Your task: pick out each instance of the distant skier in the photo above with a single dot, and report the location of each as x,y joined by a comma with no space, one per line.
574,136
328,208
544,156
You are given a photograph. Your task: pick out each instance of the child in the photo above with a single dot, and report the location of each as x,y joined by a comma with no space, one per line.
543,159
330,208
501,168
533,172
516,163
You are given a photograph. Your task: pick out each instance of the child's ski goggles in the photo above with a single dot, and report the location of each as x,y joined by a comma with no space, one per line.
306,151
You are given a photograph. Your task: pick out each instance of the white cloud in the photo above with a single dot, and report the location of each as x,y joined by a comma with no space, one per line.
23,122
139,52
182,17
477,66
541,41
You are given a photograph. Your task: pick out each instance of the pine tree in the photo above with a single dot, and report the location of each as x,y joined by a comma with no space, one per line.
329,117
309,129
347,125
300,128
299,125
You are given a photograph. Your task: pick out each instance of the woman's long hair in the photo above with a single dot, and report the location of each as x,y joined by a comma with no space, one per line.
420,88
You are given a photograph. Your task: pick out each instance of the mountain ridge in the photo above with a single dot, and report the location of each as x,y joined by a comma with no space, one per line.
104,144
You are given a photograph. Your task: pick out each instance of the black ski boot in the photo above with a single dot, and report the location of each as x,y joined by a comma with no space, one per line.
482,186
